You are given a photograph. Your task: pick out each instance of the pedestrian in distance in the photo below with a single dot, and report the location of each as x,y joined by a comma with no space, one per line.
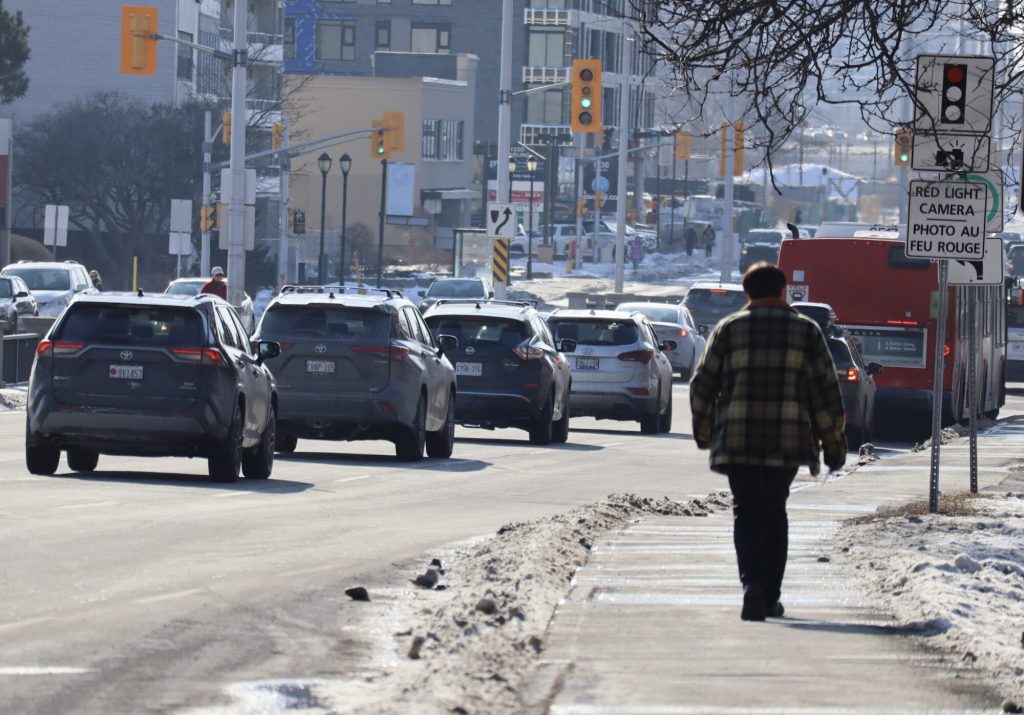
216,285
765,399
97,282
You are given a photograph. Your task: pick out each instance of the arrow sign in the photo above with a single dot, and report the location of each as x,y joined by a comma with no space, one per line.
987,271
500,221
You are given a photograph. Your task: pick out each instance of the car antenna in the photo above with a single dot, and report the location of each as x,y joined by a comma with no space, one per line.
139,293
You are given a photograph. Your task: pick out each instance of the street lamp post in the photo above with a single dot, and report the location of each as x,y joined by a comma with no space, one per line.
512,166
345,162
324,162
531,166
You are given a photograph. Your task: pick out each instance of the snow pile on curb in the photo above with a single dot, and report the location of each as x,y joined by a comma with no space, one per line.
953,433
13,398
961,572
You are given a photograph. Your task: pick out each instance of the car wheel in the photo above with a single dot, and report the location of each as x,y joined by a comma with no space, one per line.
441,443
258,462
41,459
409,446
665,421
541,429
82,460
854,437
650,422
285,443
560,430
225,462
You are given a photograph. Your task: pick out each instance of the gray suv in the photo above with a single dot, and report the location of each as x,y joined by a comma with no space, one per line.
360,364
157,375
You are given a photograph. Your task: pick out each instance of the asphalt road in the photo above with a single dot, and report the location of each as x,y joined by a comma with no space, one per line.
144,588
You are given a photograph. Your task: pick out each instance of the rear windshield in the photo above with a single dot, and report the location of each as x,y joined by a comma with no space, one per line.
43,278
479,330
184,288
297,322
840,354
5,289
595,332
715,298
898,259
145,326
772,237
456,289
654,313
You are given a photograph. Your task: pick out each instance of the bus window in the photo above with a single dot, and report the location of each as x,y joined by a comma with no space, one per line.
898,259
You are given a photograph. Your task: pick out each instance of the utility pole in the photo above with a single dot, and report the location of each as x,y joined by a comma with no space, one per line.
725,256
236,207
204,244
282,239
504,113
624,132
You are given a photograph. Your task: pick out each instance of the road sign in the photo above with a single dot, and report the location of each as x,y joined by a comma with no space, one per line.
993,181
954,94
501,221
950,152
987,271
946,219
55,225
499,261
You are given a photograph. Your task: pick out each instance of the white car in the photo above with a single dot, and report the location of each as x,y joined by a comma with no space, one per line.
52,283
192,286
676,323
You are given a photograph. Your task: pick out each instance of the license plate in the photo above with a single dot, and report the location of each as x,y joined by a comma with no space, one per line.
473,369
126,372
587,363
320,367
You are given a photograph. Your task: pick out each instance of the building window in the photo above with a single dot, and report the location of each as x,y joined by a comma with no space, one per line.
431,2
289,38
545,107
442,139
431,39
185,55
383,35
547,47
209,75
335,40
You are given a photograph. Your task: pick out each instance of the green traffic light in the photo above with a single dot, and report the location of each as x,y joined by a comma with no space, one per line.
585,102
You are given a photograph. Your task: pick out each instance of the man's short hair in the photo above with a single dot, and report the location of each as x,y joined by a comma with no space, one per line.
764,280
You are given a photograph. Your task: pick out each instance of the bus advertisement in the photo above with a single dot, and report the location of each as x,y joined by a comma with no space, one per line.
889,304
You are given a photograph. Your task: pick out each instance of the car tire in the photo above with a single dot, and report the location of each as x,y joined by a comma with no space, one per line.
225,462
409,445
542,428
854,437
665,420
650,422
82,460
258,462
40,458
285,443
441,443
560,429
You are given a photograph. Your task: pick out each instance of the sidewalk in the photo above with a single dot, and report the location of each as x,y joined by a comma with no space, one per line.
652,623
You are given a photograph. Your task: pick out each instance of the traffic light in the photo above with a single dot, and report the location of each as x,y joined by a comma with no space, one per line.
737,149
378,139
299,222
225,120
954,94
276,135
901,146
138,47
581,206
586,96
395,123
206,218
683,145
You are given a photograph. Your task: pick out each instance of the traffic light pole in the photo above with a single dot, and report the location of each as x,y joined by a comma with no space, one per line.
383,211
204,244
282,240
624,132
236,207
503,180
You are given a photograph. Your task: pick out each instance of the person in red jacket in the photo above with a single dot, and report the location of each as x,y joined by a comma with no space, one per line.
216,285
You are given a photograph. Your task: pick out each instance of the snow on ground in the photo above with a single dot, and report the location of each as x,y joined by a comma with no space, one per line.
957,576
13,397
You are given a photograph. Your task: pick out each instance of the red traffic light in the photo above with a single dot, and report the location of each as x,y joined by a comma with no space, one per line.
955,73
586,74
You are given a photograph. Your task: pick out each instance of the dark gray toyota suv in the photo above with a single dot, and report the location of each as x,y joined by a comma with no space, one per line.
159,375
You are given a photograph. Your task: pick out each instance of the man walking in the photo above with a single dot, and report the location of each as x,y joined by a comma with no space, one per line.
763,397
216,284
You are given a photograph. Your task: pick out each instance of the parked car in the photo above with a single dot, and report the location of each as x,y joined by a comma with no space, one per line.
856,378
674,322
510,370
648,237
160,375
456,288
559,233
192,286
710,302
761,244
619,367
359,364
16,301
53,284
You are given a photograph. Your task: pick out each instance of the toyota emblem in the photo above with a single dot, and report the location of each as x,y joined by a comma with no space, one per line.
126,355
587,351
470,350
321,348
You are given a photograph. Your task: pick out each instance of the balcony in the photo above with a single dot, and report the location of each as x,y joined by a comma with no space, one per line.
534,134
549,17
545,75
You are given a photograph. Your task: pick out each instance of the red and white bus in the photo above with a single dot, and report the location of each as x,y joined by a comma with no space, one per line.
889,303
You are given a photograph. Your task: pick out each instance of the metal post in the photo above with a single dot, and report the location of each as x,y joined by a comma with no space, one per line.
672,203
686,194
344,224
578,258
236,206
940,342
972,380
725,253
657,199
383,209
504,100
529,229
597,205
282,239
204,242
620,204
321,262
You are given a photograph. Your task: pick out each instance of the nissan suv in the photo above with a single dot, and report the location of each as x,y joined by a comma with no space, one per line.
157,375
511,372
359,364
53,284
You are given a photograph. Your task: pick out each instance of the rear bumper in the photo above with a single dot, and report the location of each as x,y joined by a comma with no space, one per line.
610,405
496,409
340,416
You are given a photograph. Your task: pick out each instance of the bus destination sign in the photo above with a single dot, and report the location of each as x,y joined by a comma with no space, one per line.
946,220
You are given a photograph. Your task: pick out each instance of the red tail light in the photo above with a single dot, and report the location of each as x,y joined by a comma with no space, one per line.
946,350
852,374
901,322
58,348
683,332
207,356
525,351
639,391
643,356
395,351
718,290
286,346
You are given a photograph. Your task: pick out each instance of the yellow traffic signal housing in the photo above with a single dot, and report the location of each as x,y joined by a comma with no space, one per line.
276,135
586,96
138,48
378,140
225,120
206,218
395,123
901,146
683,145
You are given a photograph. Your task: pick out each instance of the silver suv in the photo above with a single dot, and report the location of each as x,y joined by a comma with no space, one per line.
360,364
619,368
53,284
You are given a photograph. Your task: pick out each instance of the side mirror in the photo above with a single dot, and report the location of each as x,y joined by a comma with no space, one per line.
702,330
567,345
446,343
490,294
79,287
875,368
669,345
21,294
268,349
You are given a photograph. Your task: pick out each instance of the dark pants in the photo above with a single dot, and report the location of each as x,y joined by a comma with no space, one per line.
760,526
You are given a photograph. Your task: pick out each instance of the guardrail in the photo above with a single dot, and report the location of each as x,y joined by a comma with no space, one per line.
19,350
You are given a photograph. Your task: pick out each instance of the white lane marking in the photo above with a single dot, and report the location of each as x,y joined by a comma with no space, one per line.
611,444
352,479
21,624
237,493
89,504
168,596
42,670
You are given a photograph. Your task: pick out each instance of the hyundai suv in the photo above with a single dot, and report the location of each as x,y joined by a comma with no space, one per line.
360,364
153,375
511,372
53,284
619,367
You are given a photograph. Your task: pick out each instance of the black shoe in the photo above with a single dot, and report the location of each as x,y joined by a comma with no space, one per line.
753,604
775,610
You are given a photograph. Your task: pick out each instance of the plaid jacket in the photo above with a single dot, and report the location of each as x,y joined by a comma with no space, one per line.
766,393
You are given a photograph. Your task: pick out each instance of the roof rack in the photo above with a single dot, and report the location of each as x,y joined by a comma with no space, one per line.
335,289
486,301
